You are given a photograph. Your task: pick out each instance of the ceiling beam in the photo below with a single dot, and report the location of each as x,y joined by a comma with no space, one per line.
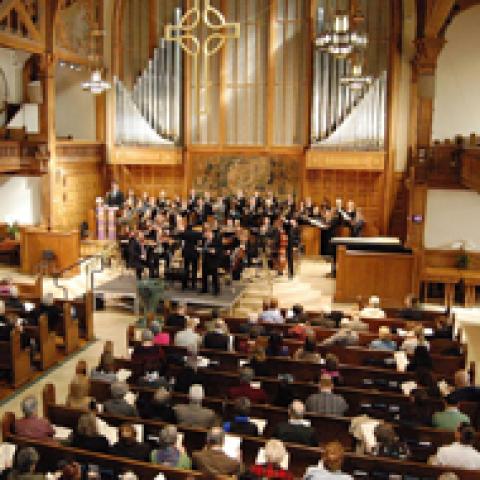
437,16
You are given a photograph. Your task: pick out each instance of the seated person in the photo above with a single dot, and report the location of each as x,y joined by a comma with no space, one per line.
325,402
86,435
285,394
275,346
275,454
244,389
194,414
241,423
411,309
128,446
443,328
71,471
332,368
299,315
78,395
357,325
53,312
414,338
418,413
308,352
169,453
117,405
330,467
384,340
388,444
424,379
211,460
158,407
272,313
464,391
188,337
451,417
373,309
258,361
461,453
24,464
344,337
421,359
217,339
177,318
189,374
297,429
31,425
106,370
159,337
148,353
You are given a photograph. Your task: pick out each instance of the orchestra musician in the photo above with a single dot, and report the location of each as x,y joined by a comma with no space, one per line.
228,232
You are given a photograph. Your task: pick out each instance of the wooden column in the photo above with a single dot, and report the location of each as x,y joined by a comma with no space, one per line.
392,109
48,210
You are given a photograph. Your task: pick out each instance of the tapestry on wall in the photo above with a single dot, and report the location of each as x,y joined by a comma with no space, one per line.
223,175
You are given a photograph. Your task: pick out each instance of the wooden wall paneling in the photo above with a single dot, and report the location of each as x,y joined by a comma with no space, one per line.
417,207
471,168
272,52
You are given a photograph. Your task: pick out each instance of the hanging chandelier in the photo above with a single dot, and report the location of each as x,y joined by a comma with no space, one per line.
341,40
356,81
96,85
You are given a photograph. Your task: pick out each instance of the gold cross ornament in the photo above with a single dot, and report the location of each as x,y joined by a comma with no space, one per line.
185,34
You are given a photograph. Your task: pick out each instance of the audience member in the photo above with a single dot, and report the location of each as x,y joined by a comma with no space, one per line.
169,452
86,435
414,338
357,325
373,309
189,374
118,405
106,368
31,425
177,318
285,391
344,337
211,460
149,354
464,391
325,402
411,309
128,446
241,423
245,389
275,346
330,467
275,455
24,465
272,314
160,337
461,453
188,337
258,358
424,379
384,340
194,414
217,339
78,395
332,368
421,359
297,429
388,444
71,471
418,413
451,417
308,352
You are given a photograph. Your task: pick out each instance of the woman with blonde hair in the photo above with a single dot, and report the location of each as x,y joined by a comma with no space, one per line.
330,467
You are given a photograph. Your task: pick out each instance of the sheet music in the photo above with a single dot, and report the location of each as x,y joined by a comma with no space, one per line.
61,433
231,446
111,433
7,452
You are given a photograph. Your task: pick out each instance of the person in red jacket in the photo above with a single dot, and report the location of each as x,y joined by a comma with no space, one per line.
244,389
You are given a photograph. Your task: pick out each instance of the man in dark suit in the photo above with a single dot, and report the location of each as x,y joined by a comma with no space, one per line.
217,339
241,423
115,197
138,254
177,318
296,429
190,240
211,257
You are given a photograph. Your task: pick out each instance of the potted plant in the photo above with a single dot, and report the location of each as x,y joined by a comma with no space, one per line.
463,260
13,231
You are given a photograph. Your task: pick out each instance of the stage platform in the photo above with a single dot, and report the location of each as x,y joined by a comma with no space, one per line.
124,286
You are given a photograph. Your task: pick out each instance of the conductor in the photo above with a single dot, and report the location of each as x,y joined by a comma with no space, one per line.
210,262
190,239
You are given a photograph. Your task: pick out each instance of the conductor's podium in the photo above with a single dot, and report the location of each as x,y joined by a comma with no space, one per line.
51,251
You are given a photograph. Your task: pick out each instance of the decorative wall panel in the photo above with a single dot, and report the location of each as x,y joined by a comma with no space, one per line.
223,174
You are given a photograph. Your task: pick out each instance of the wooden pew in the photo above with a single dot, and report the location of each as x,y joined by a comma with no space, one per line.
29,290
70,330
15,359
300,456
85,309
51,452
46,341
329,427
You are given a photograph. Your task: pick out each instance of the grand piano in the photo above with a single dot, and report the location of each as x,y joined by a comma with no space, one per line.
380,266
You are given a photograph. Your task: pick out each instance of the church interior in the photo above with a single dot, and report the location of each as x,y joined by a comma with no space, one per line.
239,239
